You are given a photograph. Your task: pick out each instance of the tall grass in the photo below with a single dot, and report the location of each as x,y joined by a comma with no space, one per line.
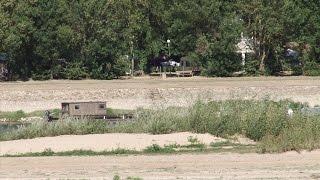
300,132
264,121
63,127
16,116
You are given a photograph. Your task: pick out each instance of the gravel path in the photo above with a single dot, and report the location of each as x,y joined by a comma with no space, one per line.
186,166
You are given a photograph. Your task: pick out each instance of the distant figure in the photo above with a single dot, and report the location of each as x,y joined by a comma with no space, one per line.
47,116
290,112
292,53
157,62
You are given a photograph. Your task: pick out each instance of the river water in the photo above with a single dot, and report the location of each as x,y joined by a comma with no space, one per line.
9,127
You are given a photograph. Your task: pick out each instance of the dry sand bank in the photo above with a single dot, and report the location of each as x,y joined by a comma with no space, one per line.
148,92
101,142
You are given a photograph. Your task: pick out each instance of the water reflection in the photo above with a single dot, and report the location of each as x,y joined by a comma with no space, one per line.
5,127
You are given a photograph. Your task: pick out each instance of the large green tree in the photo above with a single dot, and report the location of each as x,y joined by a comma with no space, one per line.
96,38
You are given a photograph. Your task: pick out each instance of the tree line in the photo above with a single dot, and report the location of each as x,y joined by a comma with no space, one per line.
96,38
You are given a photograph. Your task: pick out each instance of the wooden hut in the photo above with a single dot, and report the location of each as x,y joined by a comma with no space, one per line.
97,109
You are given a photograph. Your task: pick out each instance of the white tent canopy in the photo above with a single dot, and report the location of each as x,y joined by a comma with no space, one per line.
244,47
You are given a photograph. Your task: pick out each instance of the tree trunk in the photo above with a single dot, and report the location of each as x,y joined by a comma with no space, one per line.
262,61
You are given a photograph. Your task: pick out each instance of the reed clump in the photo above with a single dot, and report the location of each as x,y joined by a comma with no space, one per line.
263,121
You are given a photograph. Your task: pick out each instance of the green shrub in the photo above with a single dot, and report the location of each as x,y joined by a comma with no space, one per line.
252,66
194,143
118,112
200,118
155,148
222,143
59,72
116,177
41,76
134,178
99,72
13,116
300,132
76,71
311,68
162,121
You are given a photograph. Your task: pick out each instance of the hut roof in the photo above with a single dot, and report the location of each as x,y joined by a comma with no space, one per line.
83,102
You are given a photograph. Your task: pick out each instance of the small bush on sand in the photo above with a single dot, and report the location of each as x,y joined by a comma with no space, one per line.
116,177
155,148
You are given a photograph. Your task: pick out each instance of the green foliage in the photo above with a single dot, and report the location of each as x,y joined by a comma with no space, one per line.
75,71
116,177
58,72
49,152
36,34
12,116
193,140
221,144
252,66
134,178
194,143
120,67
155,148
160,122
299,133
118,112
45,75
311,69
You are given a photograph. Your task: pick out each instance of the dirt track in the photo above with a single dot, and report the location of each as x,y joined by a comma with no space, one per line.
187,166
148,92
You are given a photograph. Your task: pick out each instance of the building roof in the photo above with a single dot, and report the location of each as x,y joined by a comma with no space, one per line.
83,102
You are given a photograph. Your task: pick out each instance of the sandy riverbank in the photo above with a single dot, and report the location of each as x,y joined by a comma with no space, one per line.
101,142
149,92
